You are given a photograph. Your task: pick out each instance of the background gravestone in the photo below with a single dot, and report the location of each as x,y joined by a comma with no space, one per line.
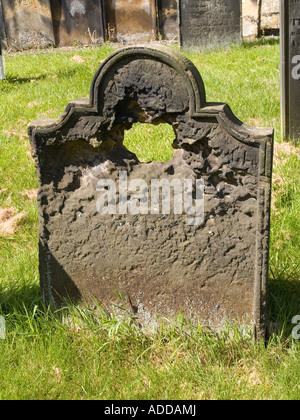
212,272
2,28
130,21
77,20
290,68
28,23
167,12
210,23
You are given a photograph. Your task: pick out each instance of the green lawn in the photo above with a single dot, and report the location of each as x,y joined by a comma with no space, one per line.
83,356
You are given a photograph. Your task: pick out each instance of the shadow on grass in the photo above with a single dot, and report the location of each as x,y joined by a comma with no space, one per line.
283,302
12,80
17,299
261,42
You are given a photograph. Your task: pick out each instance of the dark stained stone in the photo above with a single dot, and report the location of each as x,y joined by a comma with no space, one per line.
210,23
214,271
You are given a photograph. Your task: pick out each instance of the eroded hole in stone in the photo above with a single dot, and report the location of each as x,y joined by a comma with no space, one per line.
150,142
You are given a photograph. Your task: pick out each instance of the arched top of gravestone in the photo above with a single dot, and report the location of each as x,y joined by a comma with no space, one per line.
162,73
146,84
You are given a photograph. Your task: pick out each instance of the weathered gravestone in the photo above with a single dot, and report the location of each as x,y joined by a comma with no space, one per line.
2,27
210,23
28,23
77,21
167,13
104,227
133,21
290,68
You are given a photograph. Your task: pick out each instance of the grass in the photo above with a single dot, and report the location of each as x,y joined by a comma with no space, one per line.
150,142
247,79
78,355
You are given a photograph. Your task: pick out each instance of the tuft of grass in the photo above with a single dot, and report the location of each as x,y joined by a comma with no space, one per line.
150,142
86,353
83,354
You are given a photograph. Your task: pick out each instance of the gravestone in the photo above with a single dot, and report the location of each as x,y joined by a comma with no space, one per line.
77,21
210,23
167,12
133,21
188,235
2,28
28,23
290,69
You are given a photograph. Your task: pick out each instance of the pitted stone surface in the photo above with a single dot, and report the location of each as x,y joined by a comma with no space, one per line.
210,23
212,272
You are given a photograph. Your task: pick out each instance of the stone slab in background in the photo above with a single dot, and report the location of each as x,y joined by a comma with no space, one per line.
250,18
133,21
210,23
2,28
213,272
28,23
77,21
167,12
